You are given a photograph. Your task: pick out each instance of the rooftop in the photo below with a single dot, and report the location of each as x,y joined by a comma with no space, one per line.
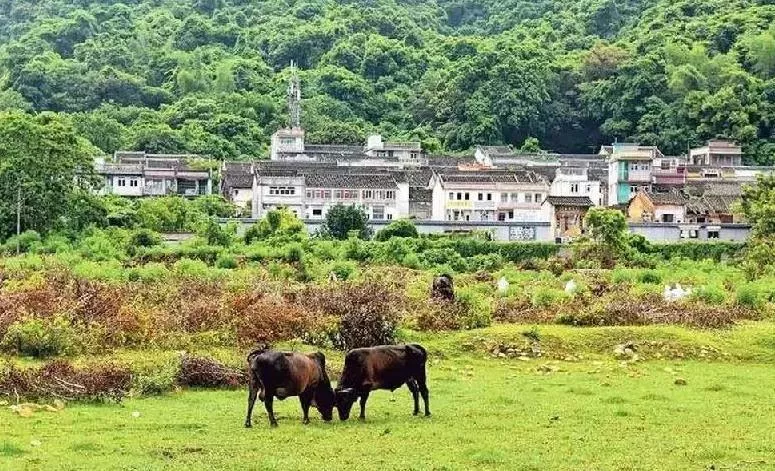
577,201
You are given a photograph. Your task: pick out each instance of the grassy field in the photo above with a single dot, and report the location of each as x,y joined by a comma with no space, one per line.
487,414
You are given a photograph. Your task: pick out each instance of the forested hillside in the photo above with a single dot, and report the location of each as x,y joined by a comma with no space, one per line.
209,76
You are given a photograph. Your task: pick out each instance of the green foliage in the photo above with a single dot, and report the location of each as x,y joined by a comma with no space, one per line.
749,296
608,228
214,234
279,224
343,221
226,261
399,228
25,241
710,294
758,205
144,238
40,337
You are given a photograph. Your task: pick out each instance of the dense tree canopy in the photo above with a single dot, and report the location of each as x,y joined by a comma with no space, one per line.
209,76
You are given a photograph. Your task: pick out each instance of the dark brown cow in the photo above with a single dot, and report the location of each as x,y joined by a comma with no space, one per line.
285,374
443,288
384,367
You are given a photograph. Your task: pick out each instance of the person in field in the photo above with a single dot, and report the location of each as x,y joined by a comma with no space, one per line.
383,367
284,374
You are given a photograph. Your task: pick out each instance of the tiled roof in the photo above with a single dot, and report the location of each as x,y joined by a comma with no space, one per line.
348,180
580,201
417,195
514,176
672,197
418,178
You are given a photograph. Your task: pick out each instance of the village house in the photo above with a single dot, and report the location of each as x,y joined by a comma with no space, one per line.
629,170
137,174
647,206
717,153
237,183
575,182
489,196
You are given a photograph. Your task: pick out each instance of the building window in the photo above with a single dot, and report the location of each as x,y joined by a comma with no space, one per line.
481,196
713,234
528,198
539,197
514,197
589,189
460,196
121,182
317,213
282,190
378,212
451,196
468,196
689,234
668,218
504,197
574,188
133,183
236,193
338,194
390,195
489,196
287,141
413,155
501,216
389,217
511,214
310,194
664,165
368,194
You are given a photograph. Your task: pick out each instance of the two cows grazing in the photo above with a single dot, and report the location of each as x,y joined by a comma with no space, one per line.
280,374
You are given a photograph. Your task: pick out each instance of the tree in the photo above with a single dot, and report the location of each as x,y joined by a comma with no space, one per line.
342,221
758,206
608,228
399,228
43,162
277,223
531,145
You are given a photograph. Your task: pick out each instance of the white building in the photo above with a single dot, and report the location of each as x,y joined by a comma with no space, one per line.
136,174
629,170
575,182
489,196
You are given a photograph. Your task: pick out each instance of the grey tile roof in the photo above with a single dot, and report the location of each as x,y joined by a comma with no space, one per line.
417,195
349,180
580,201
513,176
672,197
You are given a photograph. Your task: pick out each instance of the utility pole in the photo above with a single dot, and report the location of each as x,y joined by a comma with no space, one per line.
18,216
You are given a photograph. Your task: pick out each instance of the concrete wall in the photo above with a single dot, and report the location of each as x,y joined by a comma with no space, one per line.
664,232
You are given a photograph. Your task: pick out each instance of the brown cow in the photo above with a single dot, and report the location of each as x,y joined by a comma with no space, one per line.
285,374
384,367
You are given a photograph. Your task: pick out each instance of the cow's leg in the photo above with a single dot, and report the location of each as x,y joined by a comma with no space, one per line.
252,393
412,385
306,399
364,398
423,390
269,405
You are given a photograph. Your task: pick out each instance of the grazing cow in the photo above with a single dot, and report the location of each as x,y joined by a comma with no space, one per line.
384,367
285,374
443,288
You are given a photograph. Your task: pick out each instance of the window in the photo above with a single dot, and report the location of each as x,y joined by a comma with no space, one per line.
451,196
574,188
713,234
664,165
504,197
390,195
460,196
528,198
368,194
668,218
287,141
539,198
317,213
501,216
511,214
121,182
413,155
378,212
481,196
389,217
689,233
310,194
338,194
468,197
514,197
133,182
282,190
236,192
489,196
589,189
633,189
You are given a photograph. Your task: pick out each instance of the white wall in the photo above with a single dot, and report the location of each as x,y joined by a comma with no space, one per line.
133,185
241,196
678,212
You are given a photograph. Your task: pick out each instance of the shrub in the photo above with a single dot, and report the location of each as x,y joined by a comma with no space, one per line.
155,383
546,297
226,261
343,269
294,254
265,319
25,241
190,268
650,277
399,228
749,296
150,272
214,234
710,294
143,238
40,338
341,220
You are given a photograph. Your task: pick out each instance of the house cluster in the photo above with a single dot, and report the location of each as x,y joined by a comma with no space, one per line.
496,185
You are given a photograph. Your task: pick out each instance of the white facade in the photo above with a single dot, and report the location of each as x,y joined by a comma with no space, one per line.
670,213
495,201
574,181
287,140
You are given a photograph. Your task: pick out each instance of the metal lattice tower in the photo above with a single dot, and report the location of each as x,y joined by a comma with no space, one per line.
294,98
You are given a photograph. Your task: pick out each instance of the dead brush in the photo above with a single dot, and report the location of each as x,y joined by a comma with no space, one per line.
61,380
206,372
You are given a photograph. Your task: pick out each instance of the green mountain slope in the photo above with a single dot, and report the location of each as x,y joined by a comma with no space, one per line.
209,76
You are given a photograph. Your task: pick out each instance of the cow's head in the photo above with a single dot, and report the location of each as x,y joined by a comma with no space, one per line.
324,401
345,398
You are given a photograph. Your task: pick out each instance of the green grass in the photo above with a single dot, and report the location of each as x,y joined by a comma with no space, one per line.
487,414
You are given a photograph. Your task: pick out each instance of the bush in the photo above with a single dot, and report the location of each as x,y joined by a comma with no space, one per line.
150,272
226,261
190,268
216,235
546,297
342,220
155,383
343,269
749,296
143,238
649,277
26,241
710,294
399,228
205,372
59,379
40,338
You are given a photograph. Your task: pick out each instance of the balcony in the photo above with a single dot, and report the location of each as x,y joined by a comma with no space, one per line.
638,176
673,176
